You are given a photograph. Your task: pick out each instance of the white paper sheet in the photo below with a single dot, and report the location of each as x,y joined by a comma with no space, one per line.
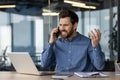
90,74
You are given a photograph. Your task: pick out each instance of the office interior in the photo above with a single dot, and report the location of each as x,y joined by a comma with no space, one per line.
26,26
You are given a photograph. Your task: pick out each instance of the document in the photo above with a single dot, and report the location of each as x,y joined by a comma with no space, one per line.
90,74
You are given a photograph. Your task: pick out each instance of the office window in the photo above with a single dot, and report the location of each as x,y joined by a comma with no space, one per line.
39,35
5,38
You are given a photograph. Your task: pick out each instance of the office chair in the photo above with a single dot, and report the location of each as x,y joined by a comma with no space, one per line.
3,59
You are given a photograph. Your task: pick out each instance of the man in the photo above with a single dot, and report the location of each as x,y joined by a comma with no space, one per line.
72,51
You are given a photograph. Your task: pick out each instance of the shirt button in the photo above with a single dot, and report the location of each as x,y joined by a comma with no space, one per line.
67,68
69,51
68,59
95,49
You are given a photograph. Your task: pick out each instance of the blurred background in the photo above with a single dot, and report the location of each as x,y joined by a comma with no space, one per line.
25,26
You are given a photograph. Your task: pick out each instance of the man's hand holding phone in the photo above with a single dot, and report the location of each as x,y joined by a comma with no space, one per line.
54,35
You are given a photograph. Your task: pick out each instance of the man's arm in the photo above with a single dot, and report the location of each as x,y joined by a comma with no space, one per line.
97,57
96,54
48,57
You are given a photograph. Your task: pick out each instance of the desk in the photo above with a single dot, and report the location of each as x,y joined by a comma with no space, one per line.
16,76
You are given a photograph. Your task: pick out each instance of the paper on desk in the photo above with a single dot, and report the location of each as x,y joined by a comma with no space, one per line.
90,74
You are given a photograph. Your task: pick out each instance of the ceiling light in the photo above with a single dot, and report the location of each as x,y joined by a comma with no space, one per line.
74,3
79,4
50,14
91,7
7,6
87,7
46,10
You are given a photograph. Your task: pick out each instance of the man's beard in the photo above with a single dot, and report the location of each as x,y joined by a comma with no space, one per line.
69,34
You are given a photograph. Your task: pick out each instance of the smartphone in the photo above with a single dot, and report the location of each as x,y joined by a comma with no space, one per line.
58,33
61,75
57,79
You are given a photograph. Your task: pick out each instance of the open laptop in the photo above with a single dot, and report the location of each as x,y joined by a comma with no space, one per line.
23,63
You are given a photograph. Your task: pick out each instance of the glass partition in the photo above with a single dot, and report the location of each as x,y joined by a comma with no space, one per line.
103,16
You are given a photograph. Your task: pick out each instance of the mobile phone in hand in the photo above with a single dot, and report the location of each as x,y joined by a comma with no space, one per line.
58,33
57,79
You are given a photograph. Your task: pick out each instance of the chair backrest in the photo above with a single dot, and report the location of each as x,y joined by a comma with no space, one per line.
3,58
4,53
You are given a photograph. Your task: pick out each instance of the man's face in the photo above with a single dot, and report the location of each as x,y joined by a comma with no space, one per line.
66,27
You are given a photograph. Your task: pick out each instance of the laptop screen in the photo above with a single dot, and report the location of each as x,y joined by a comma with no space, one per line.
23,63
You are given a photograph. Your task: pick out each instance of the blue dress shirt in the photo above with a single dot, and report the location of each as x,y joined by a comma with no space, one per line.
75,55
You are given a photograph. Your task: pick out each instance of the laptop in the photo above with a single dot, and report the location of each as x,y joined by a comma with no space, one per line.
23,63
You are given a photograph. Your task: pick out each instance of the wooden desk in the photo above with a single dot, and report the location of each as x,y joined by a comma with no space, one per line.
16,76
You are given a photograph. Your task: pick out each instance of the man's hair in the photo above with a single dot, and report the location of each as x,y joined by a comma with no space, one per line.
68,13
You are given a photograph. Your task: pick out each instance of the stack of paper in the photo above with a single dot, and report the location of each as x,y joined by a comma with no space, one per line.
90,74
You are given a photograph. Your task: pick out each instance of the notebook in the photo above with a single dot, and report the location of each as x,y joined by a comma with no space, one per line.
22,62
